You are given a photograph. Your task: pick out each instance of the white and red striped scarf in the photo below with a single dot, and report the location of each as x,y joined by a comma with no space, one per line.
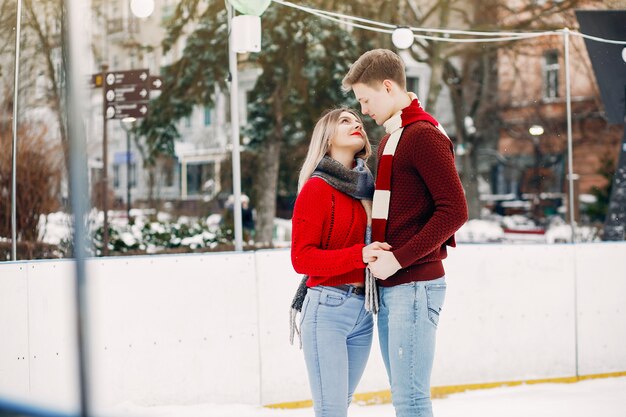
394,127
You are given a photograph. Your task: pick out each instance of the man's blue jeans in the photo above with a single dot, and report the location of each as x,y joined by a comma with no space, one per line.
407,326
336,339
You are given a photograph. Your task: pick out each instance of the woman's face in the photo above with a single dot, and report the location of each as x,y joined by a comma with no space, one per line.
349,134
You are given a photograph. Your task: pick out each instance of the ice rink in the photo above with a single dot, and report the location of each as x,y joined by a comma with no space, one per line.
599,397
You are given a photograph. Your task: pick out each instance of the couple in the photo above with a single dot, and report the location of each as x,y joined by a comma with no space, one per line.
418,204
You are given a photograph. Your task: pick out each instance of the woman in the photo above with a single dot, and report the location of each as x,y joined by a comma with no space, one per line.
329,225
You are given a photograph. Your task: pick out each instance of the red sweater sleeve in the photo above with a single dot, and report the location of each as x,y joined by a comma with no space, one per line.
312,210
434,161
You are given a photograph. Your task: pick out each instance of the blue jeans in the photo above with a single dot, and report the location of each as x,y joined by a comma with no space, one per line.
336,339
407,326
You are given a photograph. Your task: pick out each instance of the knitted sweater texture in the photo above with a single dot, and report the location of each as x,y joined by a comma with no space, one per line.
427,203
328,230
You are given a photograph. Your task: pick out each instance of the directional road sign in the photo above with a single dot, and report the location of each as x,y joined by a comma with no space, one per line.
127,93
123,110
116,78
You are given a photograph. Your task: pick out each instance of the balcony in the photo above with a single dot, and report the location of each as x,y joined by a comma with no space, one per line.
122,25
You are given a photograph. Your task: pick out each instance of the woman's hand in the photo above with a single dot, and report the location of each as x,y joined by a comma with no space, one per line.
372,251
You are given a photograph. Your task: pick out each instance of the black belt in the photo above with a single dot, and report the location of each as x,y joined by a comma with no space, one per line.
351,288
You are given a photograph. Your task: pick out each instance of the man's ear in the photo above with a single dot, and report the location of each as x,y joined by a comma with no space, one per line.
388,85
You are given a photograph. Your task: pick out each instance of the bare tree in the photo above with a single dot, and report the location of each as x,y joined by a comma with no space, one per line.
38,182
7,26
469,70
43,37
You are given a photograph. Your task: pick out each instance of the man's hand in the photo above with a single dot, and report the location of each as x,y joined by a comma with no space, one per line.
371,251
385,265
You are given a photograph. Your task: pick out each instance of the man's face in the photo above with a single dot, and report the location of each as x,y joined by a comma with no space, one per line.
376,101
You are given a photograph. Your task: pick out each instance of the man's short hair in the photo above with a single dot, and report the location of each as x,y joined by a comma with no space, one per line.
374,66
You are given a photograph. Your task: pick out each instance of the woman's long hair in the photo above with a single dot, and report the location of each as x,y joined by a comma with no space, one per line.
325,129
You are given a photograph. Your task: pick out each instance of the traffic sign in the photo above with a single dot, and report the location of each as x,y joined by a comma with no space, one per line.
117,78
127,93
123,110
131,77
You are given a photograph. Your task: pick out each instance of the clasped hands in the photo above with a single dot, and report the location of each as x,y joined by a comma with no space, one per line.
380,261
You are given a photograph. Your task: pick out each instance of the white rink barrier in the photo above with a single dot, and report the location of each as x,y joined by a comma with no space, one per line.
213,328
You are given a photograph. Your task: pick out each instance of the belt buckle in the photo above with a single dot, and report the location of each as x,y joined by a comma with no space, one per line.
353,290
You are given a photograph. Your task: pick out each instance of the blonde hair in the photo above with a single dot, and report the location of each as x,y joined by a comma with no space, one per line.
325,129
374,66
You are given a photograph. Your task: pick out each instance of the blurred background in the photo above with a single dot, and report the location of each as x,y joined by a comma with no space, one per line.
192,149
169,182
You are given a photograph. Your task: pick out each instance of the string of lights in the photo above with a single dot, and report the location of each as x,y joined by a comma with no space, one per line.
489,36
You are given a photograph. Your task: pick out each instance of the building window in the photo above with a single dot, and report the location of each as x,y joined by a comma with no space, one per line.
120,159
551,74
207,115
413,85
201,178
167,10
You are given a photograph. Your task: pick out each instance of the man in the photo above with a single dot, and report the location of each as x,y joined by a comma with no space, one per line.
418,205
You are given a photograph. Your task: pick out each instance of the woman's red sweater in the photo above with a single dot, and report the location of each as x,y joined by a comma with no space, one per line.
328,235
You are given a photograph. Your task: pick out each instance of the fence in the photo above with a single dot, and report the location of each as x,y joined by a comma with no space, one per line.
213,328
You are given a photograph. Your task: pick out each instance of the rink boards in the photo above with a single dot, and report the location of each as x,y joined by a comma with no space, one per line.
213,328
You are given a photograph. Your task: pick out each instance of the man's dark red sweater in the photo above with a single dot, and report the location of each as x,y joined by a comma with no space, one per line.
427,203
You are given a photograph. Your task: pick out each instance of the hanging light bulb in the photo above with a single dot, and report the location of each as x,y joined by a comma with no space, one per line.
624,54
142,8
402,37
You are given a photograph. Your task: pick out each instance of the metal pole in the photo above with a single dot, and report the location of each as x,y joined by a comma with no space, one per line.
127,124
128,174
570,148
105,167
570,162
74,48
18,30
234,123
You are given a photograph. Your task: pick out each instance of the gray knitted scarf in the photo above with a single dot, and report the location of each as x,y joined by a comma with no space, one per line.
357,183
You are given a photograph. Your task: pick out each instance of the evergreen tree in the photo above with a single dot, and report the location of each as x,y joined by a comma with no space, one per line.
302,61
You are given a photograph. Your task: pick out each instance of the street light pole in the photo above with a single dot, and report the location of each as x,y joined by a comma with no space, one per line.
128,184
18,30
570,147
536,131
105,168
127,124
234,123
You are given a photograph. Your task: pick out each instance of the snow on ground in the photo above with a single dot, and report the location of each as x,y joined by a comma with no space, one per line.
491,228
600,397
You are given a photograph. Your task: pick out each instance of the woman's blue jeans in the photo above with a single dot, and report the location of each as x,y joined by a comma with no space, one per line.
336,339
407,326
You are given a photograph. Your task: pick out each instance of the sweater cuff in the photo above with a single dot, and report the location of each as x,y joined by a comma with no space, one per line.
405,256
357,256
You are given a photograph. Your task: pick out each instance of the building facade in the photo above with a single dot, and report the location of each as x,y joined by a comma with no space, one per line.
532,163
